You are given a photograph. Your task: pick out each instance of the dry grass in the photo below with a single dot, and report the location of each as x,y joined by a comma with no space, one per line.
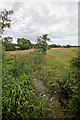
19,51
31,50
65,48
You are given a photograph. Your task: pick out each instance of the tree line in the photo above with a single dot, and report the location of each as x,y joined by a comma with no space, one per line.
25,44
22,43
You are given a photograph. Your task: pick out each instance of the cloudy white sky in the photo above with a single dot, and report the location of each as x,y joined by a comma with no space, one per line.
32,19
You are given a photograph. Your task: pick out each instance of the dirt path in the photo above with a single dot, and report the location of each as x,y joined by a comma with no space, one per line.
52,100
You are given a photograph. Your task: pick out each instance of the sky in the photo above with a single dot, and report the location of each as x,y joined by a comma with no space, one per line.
32,19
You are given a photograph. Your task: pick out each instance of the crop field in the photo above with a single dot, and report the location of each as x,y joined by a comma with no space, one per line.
37,85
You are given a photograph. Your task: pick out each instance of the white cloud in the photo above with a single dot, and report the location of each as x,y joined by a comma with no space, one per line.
59,20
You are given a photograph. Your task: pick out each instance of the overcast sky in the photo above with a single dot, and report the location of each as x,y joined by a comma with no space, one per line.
32,19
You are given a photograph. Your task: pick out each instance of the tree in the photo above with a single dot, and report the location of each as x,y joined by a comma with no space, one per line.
54,46
42,42
5,20
68,46
24,43
7,43
8,39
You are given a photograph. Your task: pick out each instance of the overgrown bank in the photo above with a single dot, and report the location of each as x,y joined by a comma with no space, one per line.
22,100
60,74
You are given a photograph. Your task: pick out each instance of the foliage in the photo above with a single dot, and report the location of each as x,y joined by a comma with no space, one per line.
54,46
59,75
66,46
20,100
5,20
7,43
24,43
42,43
62,78
58,46
7,40
74,85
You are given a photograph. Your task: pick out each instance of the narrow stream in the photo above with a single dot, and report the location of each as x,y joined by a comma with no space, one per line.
52,100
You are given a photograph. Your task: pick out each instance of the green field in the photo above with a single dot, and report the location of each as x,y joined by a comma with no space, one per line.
37,85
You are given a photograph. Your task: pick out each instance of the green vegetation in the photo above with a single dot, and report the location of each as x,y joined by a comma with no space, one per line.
5,20
60,75
20,97
38,85
42,43
24,44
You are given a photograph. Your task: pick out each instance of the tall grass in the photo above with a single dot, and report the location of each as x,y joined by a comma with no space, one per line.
20,99
60,74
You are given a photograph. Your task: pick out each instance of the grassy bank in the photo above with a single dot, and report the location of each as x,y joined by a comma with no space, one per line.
21,69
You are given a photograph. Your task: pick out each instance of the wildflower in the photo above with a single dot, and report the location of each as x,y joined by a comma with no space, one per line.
18,112
51,99
55,91
44,95
8,110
